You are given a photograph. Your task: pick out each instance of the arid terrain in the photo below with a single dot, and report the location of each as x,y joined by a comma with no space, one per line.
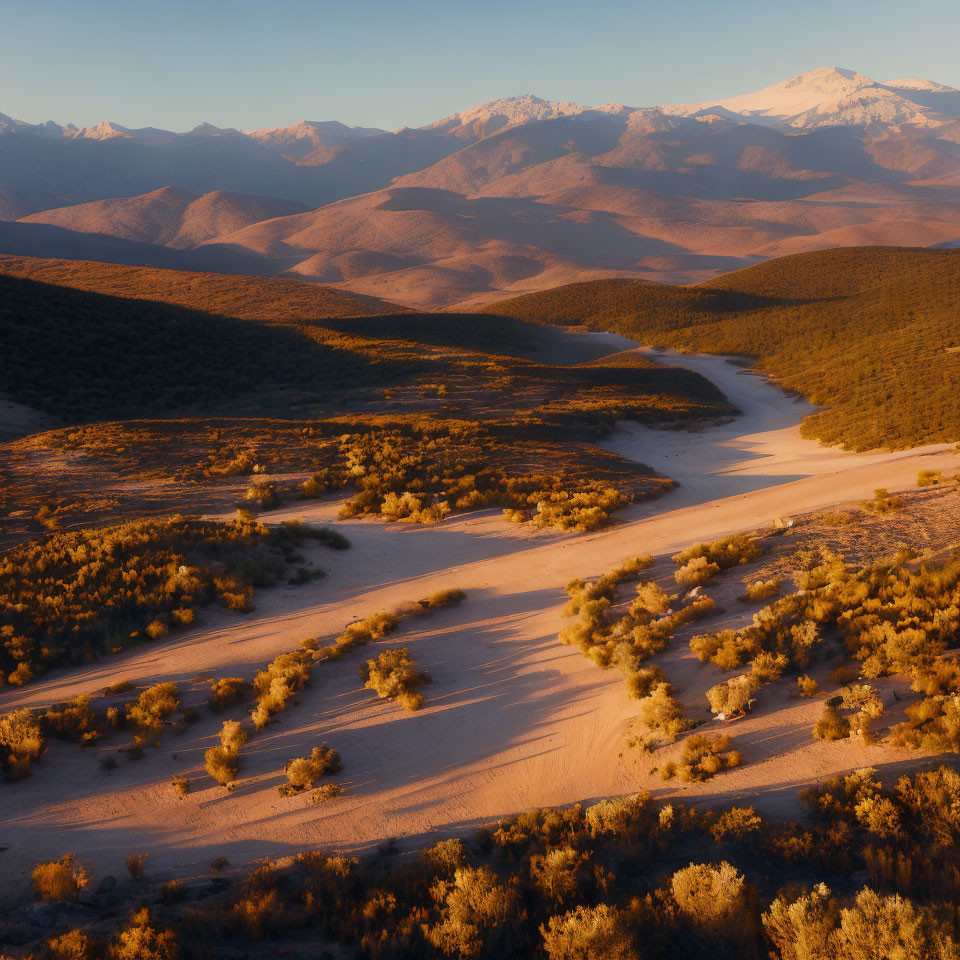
512,720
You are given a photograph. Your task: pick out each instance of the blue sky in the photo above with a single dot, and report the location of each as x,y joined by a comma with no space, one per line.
173,63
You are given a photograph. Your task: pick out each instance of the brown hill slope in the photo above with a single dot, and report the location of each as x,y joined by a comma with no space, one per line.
867,333
169,216
247,298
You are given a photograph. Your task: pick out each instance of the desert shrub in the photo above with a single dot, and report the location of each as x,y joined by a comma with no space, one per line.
227,692
76,596
263,495
73,720
940,677
60,879
286,675
727,649
711,898
328,791
661,712
115,689
72,945
696,571
302,771
929,478
135,864
932,723
222,762
589,933
21,742
882,503
621,817
703,757
760,590
832,725
558,874
807,687
642,680
767,667
476,913
141,941
737,824
181,786
725,553
732,697
862,705
154,706
394,675
815,925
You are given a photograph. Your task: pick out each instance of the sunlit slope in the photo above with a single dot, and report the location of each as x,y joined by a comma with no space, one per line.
867,333
248,298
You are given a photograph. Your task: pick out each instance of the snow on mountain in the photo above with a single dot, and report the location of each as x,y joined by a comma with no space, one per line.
829,96
494,115
915,83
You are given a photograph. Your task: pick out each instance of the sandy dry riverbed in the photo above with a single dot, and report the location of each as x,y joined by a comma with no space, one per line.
512,719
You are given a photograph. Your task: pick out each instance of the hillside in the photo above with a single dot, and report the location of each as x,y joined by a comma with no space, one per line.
509,197
79,354
247,298
865,333
169,216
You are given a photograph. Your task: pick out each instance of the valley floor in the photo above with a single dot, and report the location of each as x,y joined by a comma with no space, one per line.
512,719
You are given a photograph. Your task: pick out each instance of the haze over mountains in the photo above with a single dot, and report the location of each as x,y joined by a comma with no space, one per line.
514,195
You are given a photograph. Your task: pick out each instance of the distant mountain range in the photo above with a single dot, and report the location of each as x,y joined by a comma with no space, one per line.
511,196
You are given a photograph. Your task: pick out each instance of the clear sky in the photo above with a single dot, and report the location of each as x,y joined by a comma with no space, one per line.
386,63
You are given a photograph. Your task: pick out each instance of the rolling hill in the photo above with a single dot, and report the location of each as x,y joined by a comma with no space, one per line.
168,216
243,297
868,334
515,195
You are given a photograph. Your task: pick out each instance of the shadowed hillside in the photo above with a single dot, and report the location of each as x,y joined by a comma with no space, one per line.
79,354
865,332
247,298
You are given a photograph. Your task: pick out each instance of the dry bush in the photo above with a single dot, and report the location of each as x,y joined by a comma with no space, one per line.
181,786
136,863
732,697
302,771
154,572
727,649
640,682
882,503
832,725
662,712
141,941
807,687
703,757
227,692
760,590
286,675
73,720
328,791
476,913
21,742
589,933
725,553
695,572
72,945
929,478
60,879
767,667
737,824
155,705
223,762
710,898
394,675
115,689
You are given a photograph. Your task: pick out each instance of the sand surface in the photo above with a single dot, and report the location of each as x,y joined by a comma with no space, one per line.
512,719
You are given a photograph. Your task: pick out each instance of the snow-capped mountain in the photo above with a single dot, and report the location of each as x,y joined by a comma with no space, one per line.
494,115
834,96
